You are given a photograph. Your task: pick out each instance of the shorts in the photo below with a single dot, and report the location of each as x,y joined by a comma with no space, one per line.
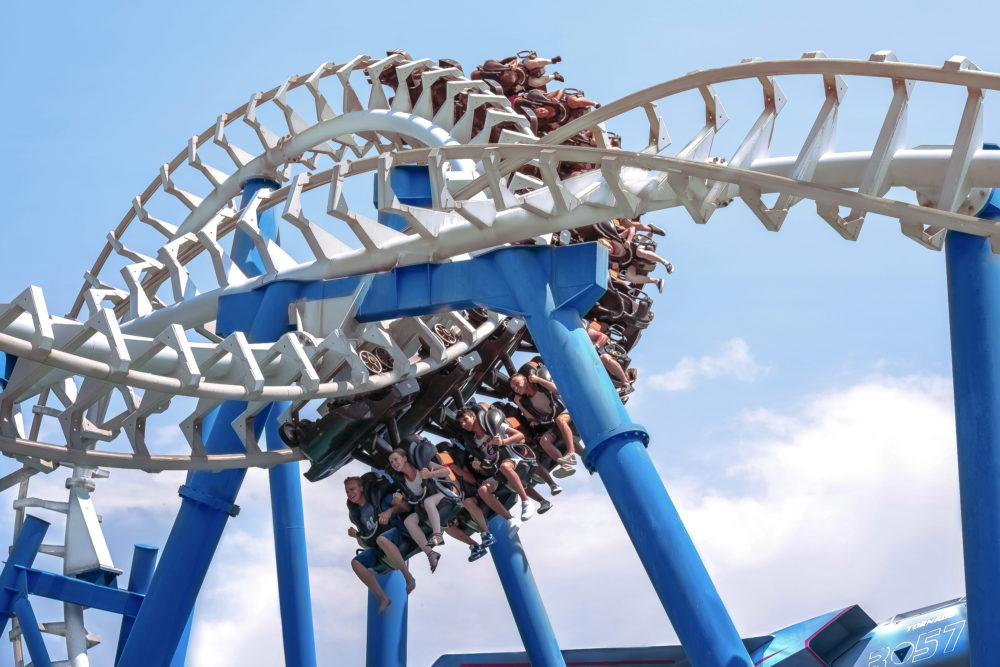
370,556
498,479
469,490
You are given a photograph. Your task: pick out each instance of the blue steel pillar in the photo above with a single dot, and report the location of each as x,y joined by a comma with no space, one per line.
550,287
290,550
385,644
974,309
13,588
208,500
616,450
139,578
386,637
522,596
268,321
207,503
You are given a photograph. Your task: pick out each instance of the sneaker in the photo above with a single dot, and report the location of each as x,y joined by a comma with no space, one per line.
571,458
669,267
527,510
555,489
656,230
476,552
544,507
659,284
561,473
486,539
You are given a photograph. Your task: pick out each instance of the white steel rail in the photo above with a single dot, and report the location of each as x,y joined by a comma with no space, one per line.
148,335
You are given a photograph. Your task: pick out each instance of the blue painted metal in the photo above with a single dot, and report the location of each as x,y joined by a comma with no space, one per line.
139,578
189,549
411,183
817,641
7,362
269,321
75,591
571,282
386,638
931,637
243,253
974,310
550,287
180,653
262,310
31,634
209,498
522,596
290,548
18,580
22,555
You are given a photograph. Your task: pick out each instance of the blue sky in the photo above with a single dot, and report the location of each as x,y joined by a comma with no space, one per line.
772,355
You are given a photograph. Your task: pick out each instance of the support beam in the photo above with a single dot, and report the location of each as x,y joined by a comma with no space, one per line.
139,578
522,596
386,642
208,501
290,549
974,310
551,287
31,634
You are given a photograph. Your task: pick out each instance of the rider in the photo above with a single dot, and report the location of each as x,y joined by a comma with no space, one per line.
469,485
492,454
419,489
539,402
372,510
611,365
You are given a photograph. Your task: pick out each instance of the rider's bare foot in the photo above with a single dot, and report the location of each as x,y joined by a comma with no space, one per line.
411,583
383,604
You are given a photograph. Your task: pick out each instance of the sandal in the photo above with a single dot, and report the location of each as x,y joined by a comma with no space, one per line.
432,558
437,539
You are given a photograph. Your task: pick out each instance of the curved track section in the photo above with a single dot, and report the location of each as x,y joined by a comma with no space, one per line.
142,330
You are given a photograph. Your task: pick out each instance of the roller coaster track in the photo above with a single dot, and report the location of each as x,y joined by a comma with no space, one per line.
146,336
141,333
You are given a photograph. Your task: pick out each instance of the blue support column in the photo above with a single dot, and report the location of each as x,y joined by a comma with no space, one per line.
13,588
522,596
550,287
974,309
180,653
22,555
139,578
209,500
268,322
31,634
290,550
616,450
386,637
207,503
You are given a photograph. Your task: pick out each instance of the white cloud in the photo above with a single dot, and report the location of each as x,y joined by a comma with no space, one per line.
733,360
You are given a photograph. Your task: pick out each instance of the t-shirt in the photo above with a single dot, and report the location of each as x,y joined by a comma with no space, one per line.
368,519
485,443
540,402
414,486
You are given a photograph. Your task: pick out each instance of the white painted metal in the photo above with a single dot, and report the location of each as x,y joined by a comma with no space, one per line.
149,334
